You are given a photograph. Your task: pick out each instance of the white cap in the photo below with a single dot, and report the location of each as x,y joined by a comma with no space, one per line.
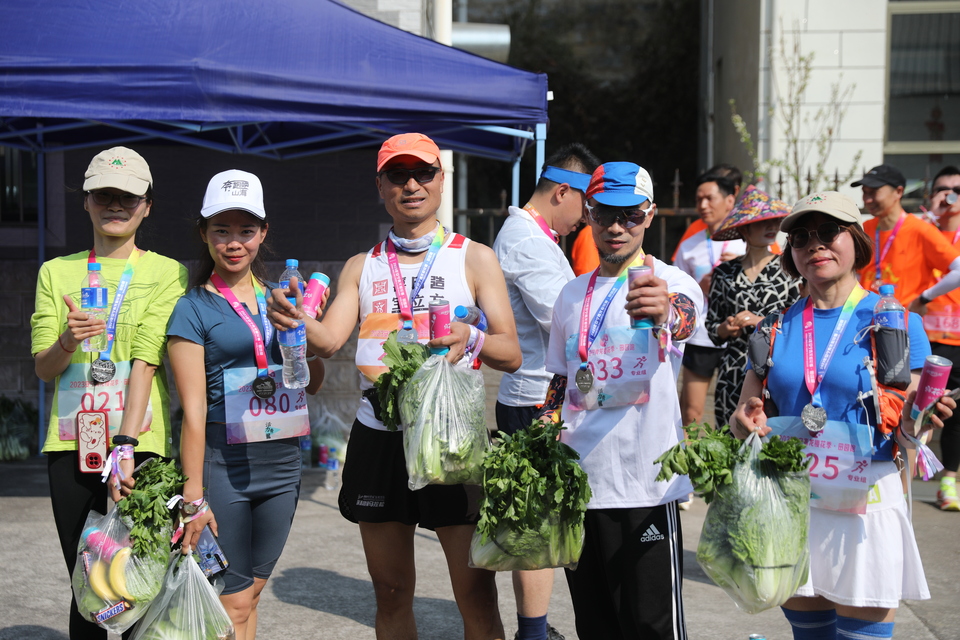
233,189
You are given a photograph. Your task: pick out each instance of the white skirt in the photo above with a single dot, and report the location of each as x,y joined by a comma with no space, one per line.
870,559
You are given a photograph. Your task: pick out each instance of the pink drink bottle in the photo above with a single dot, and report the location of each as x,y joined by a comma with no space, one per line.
439,323
933,382
313,296
632,274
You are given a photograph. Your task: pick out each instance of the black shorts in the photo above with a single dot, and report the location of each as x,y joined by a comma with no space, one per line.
513,419
627,585
375,487
703,361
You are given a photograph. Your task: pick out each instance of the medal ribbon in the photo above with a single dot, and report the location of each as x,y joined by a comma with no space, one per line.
122,288
584,340
812,372
541,222
879,256
259,342
406,302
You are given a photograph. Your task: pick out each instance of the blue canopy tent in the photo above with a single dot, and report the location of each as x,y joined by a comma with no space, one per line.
277,78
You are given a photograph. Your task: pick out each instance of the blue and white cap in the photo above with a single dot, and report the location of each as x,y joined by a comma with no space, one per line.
620,184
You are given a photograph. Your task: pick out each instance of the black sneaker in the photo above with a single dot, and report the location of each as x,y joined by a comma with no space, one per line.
552,634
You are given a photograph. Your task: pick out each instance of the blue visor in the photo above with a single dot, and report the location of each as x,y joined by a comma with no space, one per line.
579,181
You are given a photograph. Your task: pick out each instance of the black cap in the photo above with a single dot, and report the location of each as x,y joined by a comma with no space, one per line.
880,175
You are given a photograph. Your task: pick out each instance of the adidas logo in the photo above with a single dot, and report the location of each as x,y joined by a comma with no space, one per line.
652,534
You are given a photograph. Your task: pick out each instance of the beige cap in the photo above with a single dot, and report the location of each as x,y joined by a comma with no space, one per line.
832,203
119,168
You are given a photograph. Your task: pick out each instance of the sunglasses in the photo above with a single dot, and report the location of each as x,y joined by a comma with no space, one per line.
826,232
628,217
400,177
126,200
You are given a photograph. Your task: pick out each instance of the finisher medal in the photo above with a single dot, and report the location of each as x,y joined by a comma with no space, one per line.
264,387
102,370
584,380
813,418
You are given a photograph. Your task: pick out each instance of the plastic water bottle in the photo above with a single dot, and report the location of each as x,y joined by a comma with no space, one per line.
471,315
333,470
293,346
893,343
93,302
305,452
290,272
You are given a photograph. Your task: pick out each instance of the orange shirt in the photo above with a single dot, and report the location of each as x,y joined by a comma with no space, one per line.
942,322
584,252
917,251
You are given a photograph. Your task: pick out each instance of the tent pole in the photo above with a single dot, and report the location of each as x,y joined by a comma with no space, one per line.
515,183
541,147
41,258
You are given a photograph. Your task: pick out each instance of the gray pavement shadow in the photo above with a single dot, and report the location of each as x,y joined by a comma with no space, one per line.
692,570
348,597
33,632
26,479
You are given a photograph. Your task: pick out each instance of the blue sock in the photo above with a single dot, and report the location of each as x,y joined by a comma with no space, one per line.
853,629
531,628
812,625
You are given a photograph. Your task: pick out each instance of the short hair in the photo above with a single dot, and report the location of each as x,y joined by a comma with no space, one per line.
572,157
862,247
729,171
948,170
724,183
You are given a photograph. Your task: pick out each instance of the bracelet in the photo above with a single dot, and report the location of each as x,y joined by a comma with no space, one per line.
118,440
60,342
124,452
311,358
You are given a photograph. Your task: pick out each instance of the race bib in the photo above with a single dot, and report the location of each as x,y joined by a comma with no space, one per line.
253,419
622,361
77,392
943,323
840,456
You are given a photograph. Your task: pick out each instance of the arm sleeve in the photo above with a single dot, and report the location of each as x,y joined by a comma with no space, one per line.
949,282
185,322
151,340
919,343
539,282
46,323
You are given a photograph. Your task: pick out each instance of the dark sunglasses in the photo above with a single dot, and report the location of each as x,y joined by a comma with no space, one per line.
628,217
126,200
826,232
400,177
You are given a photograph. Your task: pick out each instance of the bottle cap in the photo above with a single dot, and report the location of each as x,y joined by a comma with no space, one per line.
460,311
93,266
886,289
322,277
292,264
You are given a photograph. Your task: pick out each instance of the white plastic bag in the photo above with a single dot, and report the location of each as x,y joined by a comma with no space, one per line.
187,608
443,412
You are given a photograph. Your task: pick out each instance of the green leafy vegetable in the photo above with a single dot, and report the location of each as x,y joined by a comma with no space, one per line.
145,509
403,360
535,497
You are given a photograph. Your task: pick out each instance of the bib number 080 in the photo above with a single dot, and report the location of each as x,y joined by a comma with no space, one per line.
270,406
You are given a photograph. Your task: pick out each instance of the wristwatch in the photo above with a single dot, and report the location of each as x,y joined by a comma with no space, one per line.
118,440
191,508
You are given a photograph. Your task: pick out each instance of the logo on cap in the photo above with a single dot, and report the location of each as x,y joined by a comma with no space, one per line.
236,187
118,162
815,198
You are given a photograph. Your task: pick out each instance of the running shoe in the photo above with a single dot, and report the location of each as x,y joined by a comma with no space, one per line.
552,634
947,498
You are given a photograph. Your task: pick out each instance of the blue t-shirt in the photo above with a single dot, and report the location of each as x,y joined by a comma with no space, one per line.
208,320
846,375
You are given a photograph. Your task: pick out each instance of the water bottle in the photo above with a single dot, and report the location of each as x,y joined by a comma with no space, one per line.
323,457
293,346
93,302
333,470
893,343
290,272
471,315
305,451
313,295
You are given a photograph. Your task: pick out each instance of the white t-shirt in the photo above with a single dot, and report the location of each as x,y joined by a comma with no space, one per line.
697,256
618,445
536,270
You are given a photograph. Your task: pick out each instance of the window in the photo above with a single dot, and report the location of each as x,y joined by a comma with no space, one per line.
18,187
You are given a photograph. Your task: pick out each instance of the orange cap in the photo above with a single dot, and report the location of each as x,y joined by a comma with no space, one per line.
408,144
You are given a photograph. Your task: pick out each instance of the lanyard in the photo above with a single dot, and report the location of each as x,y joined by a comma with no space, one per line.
541,222
813,373
406,302
259,342
714,260
584,340
122,288
879,256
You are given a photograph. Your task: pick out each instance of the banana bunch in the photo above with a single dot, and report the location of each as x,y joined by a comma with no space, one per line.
109,582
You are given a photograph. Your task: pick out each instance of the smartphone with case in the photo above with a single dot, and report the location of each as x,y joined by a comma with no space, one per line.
209,554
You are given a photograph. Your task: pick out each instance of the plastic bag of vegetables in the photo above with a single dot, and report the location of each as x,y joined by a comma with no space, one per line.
187,609
535,496
122,556
442,409
754,538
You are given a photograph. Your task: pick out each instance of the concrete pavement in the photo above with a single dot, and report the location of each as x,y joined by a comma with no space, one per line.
321,589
